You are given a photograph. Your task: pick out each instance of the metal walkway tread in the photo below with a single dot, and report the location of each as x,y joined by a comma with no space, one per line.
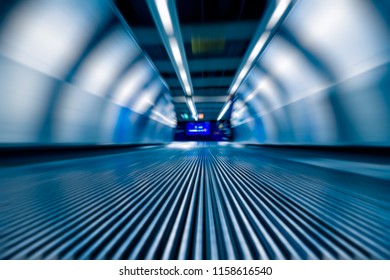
191,202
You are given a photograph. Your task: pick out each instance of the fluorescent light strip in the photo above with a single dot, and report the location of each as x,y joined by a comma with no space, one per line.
183,74
256,50
192,108
254,53
171,39
225,108
162,8
179,62
280,10
258,47
185,82
188,90
176,52
278,13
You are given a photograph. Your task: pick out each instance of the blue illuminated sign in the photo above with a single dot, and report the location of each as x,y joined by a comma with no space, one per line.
198,128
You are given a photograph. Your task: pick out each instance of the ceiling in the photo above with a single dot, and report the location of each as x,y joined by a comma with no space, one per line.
215,33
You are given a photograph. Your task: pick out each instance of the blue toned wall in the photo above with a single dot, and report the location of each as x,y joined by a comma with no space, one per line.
324,79
71,73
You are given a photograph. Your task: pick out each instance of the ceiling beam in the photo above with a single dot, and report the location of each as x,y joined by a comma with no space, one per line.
203,91
203,106
200,65
202,99
230,31
203,82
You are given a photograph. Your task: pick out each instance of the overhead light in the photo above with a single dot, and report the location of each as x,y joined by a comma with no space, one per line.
234,88
258,47
243,72
192,108
254,53
225,108
176,52
188,90
165,16
183,74
281,9
162,7
179,62
278,13
190,103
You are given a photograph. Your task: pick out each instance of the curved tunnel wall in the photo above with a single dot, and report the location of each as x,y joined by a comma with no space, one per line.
323,79
71,73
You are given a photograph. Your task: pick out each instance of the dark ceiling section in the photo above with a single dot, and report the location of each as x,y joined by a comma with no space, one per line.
216,34
219,11
136,13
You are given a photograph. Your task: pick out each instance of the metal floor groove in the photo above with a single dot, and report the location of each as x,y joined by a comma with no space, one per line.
200,202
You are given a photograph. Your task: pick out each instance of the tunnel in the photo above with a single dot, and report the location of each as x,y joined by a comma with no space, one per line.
194,129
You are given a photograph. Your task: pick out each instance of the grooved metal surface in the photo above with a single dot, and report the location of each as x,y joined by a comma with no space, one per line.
187,201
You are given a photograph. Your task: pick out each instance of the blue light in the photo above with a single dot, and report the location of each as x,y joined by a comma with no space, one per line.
198,128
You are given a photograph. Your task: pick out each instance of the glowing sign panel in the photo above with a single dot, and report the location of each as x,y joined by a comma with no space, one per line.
198,128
